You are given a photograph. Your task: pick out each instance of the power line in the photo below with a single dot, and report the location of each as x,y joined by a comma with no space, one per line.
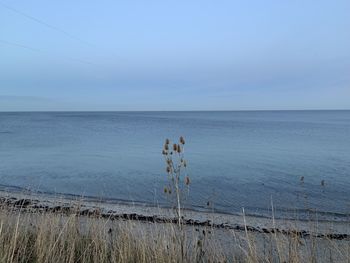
44,23
19,45
42,51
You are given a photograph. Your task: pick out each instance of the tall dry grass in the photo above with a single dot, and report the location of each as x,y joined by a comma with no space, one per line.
51,237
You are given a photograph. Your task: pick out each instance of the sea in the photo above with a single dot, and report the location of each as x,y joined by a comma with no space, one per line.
293,161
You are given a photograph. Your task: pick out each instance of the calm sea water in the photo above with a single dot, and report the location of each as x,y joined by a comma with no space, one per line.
235,159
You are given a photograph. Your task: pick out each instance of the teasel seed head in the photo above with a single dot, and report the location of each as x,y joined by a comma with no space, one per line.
182,140
178,148
187,180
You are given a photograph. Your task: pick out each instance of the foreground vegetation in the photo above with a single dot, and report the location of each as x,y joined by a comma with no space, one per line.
58,237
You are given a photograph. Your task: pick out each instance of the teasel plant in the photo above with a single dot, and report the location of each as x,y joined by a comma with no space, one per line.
176,169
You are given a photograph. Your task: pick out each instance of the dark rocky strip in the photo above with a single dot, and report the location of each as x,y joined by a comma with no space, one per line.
34,206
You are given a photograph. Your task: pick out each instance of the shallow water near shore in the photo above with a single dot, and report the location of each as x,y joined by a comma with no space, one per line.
236,159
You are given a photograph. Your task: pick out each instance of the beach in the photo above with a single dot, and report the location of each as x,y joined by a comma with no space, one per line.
226,237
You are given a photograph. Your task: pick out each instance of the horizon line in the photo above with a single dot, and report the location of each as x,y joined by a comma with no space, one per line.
247,110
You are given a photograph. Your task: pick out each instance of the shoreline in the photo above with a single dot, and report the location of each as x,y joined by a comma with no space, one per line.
281,213
42,203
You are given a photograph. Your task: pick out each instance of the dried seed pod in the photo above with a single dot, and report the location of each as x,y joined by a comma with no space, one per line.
166,147
178,148
322,183
168,169
167,141
185,163
164,152
187,180
165,190
182,140
175,147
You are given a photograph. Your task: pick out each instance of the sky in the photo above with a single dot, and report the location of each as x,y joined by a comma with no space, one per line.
174,55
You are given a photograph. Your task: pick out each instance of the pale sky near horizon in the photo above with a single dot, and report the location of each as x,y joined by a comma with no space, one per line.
174,55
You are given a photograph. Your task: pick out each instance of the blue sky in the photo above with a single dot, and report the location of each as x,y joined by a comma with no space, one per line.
174,55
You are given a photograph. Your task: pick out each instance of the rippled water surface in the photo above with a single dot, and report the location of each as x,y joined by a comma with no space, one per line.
236,159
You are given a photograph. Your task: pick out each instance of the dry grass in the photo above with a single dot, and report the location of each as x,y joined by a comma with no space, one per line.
48,237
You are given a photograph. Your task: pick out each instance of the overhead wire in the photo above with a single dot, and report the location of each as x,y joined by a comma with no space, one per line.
15,10
20,45
9,43
48,25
